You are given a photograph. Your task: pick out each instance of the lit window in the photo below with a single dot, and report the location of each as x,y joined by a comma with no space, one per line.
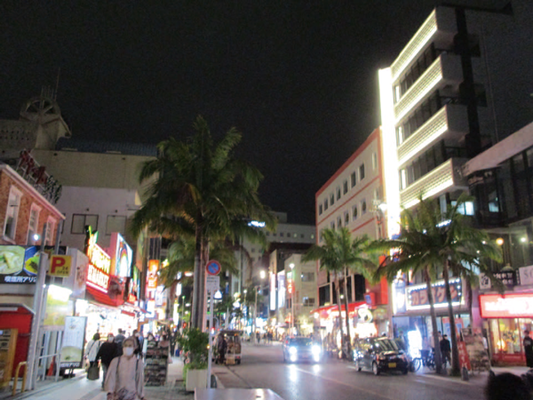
12,213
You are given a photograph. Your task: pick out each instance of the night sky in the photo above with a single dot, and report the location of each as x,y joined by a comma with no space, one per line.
297,78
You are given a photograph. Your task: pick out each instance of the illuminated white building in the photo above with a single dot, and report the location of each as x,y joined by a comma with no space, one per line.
441,102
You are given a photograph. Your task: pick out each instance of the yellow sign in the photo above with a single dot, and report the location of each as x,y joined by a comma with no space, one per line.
60,266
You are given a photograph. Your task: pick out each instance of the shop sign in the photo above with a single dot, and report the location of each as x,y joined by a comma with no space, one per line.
99,265
18,264
60,266
399,298
272,292
282,290
37,176
73,342
122,255
290,286
464,360
506,306
526,275
417,296
153,267
58,306
508,278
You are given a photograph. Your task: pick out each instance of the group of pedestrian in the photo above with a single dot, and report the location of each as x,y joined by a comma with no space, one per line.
121,362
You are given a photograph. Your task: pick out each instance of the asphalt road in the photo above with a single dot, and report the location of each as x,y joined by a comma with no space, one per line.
263,367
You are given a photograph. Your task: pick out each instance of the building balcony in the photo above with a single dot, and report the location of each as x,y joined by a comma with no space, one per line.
450,122
445,178
445,72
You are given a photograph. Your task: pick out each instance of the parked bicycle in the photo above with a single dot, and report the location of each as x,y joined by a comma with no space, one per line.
426,359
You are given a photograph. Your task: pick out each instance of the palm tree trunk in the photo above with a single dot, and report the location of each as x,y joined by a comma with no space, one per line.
431,300
470,300
197,316
337,290
349,344
456,368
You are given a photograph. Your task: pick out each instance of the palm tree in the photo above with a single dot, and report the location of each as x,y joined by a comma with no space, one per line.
200,188
432,242
341,253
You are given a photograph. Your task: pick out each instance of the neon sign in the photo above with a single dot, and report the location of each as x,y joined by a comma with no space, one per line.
99,264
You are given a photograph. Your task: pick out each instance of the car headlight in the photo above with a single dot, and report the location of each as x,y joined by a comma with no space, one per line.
316,350
292,350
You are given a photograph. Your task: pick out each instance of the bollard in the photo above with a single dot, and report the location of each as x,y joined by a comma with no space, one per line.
20,364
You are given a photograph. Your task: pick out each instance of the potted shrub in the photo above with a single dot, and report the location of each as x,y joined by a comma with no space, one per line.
194,346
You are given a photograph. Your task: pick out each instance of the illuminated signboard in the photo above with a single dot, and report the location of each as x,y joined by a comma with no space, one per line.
290,286
122,255
272,292
417,295
99,265
506,306
153,266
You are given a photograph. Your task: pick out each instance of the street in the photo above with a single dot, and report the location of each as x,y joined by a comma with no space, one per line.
262,367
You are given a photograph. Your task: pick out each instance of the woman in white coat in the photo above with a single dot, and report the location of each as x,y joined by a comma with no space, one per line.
125,375
91,350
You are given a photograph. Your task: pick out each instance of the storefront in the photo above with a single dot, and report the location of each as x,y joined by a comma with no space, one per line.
507,317
411,312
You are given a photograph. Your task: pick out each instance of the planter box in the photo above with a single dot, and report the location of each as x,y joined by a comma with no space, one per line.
196,378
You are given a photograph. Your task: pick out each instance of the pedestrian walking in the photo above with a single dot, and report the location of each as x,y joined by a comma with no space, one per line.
528,348
125,377
91,350
107,352
222,348
446,350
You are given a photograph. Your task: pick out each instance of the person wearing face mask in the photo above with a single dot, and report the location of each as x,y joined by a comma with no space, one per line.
125,377
107,352
137,338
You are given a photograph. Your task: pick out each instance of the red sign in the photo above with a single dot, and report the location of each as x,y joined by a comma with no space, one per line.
213,268
464,360
506,306
290,286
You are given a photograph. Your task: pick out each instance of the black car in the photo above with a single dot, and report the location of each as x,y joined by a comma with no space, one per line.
380,354
301,349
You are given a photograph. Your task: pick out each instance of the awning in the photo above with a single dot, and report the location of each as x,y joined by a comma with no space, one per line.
325,311
98,296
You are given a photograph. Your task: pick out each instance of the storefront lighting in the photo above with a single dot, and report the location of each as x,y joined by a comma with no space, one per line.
59,293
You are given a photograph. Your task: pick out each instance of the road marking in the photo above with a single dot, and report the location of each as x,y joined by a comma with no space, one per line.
345,384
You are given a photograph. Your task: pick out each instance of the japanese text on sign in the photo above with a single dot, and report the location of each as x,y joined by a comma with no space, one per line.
417,296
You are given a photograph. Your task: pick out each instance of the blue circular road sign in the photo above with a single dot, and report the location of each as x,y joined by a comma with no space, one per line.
213,267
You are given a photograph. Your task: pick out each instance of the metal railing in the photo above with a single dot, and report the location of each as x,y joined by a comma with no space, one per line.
15,380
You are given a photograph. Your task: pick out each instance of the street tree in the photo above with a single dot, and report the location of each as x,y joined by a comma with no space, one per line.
342,253
432,243
199,186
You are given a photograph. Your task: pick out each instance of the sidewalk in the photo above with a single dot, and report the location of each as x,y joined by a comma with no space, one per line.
80,388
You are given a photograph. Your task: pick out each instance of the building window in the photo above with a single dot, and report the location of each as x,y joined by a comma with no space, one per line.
308,276
362,172
338,193
345,187
12,213
353,178
295,235
308,301
50,229
312,236
320,209
33,223
326,204
80,221
354,212
332,225
115,223
363,207
339,222
403,179
281,234
331,199
376,194
346,218
321,235
374,161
